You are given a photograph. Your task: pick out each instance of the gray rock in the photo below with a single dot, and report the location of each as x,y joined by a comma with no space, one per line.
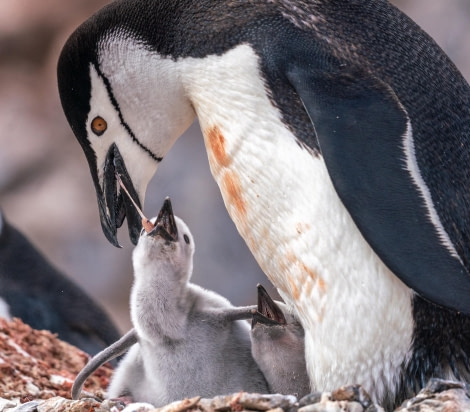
333,406
139,407
6,405
31,406
351,398
58,403
252,401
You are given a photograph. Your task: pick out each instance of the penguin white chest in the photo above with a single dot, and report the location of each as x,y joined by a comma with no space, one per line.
283,203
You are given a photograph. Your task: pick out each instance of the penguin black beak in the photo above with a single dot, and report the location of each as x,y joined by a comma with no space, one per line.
112,204
165,226
268,312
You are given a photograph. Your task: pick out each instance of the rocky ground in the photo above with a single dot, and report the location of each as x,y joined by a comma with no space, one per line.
37,371
44,180
36,365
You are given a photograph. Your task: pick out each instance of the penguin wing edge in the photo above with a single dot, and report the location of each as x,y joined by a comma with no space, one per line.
365,138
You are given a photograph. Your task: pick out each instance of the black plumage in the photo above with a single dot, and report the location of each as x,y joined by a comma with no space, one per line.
44,298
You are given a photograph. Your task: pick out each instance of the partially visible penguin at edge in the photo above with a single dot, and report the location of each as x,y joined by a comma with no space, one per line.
32,289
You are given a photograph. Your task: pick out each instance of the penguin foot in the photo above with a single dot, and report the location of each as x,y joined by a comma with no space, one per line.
439,395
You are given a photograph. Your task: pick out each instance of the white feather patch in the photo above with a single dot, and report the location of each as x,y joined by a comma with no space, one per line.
413,169
356,313
5,310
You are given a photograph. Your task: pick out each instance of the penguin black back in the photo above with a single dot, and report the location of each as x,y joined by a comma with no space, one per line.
377,39
45,298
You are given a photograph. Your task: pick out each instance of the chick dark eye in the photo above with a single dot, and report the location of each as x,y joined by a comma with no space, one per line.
186,239
98,125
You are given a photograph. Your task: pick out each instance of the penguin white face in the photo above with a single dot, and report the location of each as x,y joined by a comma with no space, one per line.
123,125
167,248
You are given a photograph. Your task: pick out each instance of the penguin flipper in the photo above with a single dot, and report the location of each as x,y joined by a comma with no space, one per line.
111,352
365,137
231,314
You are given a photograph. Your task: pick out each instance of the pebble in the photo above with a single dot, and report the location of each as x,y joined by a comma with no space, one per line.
26,407
7,404
250,401
139,407
437,396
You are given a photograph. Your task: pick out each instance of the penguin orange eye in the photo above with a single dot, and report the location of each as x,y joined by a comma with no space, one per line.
98,125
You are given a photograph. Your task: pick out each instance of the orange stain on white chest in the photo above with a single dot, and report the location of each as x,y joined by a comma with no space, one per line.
216,147
227,178
299,278
232,191
291,275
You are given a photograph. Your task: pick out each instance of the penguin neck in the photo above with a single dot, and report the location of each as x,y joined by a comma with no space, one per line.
282,201
159,305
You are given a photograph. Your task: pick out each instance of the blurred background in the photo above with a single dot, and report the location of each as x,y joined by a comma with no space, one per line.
45,186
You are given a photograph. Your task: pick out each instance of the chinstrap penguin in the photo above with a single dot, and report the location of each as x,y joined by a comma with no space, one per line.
277,346
337,131
36,292
190,341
